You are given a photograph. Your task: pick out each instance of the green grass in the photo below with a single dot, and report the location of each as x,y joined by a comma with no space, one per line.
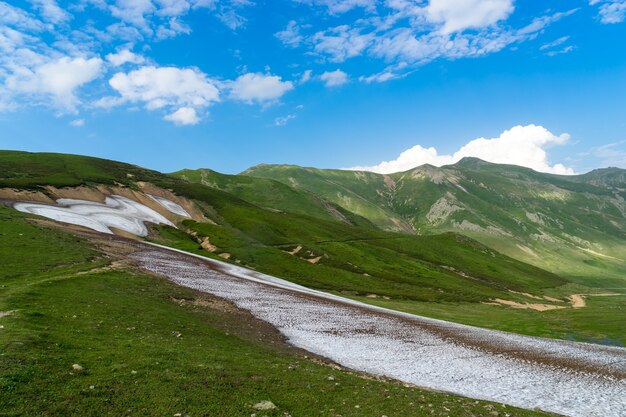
147,349
601,321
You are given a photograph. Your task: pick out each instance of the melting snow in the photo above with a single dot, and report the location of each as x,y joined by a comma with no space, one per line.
170,205
575,379
118,212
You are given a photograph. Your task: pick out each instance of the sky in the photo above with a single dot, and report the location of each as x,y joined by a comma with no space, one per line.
382,85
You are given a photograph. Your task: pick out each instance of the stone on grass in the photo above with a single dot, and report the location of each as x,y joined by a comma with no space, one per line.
264,405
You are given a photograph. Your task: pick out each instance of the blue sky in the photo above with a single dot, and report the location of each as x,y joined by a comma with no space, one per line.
383,85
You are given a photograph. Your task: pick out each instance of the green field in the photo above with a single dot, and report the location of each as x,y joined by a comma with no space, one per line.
149,348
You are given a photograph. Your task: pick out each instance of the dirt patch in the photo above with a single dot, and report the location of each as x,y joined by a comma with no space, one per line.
577,300
526,306
225,255
24,195
208,246
296,250
314,260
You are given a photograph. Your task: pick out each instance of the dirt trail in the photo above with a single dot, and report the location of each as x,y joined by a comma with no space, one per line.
575,379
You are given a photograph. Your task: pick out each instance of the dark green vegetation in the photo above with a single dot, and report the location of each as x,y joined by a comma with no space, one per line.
149,348
446,276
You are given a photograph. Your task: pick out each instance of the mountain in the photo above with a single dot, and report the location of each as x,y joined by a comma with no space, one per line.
572,225
273,194
285,229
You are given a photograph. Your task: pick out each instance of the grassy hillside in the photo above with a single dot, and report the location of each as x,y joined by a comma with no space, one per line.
571,225
273,194
148,348
448,275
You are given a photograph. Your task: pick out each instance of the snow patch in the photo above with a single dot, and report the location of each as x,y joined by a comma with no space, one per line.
170,205
117,212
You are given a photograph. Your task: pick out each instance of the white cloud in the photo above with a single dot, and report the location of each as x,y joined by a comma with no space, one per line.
58,79
556,47
282,121
554,43
341,6
520,145
306,76
406,34
14,16
134,12
158,87
184,116
77,122
611,11
457,15
334,78
260,88
290,36
51,11
182,91
123,57
341,42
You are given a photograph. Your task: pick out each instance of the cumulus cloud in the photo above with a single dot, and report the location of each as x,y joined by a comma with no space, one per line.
183,116
334,78
520,145
57,79
182,90
260,88
124,56
457,15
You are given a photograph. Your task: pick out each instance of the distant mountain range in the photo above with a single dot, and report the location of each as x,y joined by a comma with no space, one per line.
572,225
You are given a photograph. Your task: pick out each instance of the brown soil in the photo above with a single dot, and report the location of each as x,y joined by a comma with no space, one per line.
314,260
526,306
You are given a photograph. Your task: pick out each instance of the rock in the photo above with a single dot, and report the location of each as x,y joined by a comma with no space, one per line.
331,378
264,405
77,367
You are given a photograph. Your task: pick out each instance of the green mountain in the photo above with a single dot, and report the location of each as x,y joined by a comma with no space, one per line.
289,227
273,194
572,225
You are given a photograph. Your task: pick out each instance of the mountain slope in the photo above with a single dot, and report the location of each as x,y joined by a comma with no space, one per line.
272,194
86,334
573,225
402,271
